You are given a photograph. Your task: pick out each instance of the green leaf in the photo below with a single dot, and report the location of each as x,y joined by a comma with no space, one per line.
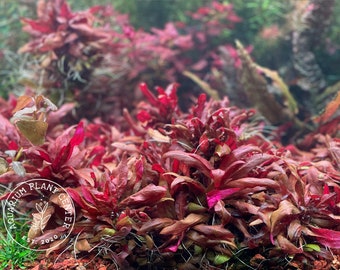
198,250
33,130
312,247
220,259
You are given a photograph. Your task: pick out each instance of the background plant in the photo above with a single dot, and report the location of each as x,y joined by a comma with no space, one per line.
163,62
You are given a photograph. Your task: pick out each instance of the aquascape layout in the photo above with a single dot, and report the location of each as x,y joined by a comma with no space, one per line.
181,135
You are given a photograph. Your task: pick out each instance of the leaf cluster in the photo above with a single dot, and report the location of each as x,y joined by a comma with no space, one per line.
91,51
193,187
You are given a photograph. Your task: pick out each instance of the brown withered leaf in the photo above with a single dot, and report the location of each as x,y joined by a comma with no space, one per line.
206,87
23,102
82,245
33,130
157,136
85,174
222,212
256,89
287,246
55,245
40,220
252,162
64,201
106,232
3,165
44,102
44,239
286,208
330,110
257,260
125,147
294,230
279,83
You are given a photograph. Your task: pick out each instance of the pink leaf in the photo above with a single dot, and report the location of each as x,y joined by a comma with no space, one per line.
174,247
215,195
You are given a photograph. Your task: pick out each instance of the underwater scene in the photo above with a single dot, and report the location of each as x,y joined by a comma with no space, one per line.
170,134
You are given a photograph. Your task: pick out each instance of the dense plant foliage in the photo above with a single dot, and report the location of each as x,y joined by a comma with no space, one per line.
159,183
195,187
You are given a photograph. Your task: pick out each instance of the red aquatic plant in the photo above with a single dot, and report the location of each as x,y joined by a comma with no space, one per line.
79,51
59,32
185,185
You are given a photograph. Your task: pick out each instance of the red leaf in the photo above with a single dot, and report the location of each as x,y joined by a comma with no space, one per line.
182,225
143,116
148,196
198,109
121,180
155,224
55,117
328,238
239,153
147,93
87,195
66,151
42,27
158,168
174,247
214,232
97,154
180,181
65,11
78,136
80,201
250,164
250,182
44,155
193,160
